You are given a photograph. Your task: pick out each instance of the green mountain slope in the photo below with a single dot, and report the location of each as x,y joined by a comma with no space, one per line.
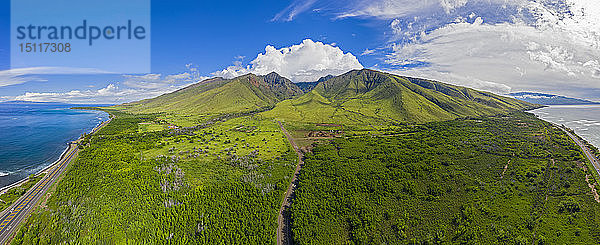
372,97
221,96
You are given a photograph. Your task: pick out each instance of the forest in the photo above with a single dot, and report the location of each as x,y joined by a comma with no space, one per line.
505,179
494,180
118,187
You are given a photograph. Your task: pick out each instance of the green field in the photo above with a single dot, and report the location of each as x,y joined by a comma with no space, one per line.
220,96
374,99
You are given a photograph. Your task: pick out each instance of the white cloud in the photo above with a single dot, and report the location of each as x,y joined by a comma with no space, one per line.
23,75
559,50
497,45
111,94
367,52
136,87
297,7
155,81
304,62
516,55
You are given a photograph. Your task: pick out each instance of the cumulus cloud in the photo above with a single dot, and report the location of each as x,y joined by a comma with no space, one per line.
556,53
136,87
304,62
497,45
23,75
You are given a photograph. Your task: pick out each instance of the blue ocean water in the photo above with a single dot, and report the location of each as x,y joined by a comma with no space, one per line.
583,119
34,135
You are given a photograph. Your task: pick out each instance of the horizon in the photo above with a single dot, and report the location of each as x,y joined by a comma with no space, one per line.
512,94
553,48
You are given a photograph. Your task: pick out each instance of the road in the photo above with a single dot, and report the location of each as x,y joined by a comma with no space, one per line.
23,206
19,210
284,229
585,150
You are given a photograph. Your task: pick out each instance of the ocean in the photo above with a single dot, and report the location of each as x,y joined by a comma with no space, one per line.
34,135
583,119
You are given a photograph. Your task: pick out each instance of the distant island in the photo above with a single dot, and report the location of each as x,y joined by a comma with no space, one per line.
550,99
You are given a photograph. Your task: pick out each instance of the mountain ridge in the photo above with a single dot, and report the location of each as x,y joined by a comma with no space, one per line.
369,96
220,96
550,99
356,97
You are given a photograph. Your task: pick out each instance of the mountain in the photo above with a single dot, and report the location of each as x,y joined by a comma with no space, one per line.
359,97
308,86
373,97
549,99
219,96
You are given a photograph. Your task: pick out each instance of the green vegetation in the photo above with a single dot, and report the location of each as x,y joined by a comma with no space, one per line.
359,99
391,160
9,197
130,187
219,96
374,98
496,180
593,150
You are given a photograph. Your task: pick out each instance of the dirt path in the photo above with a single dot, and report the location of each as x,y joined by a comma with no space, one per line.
551,173
505,167
592,187
592,158
284,229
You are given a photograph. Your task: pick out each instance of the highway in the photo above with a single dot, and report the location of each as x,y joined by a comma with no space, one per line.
20,209
585,150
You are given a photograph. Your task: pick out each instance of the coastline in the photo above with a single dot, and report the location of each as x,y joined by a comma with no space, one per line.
580,119
586,145
53,164
43,170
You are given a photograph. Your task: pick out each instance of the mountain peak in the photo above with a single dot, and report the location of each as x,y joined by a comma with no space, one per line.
325,78
372,97
274,78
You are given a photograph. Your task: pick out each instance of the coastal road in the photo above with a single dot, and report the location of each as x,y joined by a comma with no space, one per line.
585,150
23,206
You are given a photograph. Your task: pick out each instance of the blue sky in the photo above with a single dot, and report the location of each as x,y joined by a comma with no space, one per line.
489,45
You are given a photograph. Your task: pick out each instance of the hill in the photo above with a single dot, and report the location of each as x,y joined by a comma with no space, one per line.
550,99
373,97
221,96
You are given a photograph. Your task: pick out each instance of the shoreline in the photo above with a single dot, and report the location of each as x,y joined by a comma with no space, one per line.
53,164
592,141
43,170
582,142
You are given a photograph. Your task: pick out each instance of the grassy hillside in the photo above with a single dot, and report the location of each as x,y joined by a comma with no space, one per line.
220,96
361,97
372,97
